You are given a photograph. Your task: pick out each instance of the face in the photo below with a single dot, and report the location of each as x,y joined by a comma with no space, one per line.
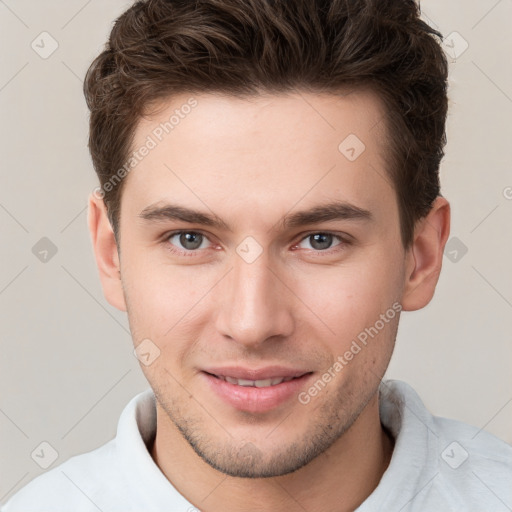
260,241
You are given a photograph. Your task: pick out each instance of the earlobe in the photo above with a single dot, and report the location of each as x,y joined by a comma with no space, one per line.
106,253
425,257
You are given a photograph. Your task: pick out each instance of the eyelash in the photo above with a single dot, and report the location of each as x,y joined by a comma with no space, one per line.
344,242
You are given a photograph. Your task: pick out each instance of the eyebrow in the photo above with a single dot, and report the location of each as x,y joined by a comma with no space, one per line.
336,210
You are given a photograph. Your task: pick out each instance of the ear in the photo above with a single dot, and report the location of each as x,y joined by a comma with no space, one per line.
425,256
106,253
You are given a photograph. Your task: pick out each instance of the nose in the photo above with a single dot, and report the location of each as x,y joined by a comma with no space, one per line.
254,305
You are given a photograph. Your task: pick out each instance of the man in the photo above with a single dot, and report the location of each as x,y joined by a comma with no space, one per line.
269,205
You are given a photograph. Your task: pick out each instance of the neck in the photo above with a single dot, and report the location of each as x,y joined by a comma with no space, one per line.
340,479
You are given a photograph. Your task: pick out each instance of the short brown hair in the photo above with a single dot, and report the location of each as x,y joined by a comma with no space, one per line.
159,48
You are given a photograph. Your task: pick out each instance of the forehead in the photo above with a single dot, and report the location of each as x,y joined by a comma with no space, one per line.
261,150
216,119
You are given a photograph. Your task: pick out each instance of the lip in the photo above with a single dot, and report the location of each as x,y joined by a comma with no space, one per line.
268,372
252,399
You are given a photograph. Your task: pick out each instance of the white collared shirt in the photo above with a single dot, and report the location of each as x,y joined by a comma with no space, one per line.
438,465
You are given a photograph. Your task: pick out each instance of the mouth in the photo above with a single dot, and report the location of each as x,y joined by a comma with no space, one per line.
256,391
259,383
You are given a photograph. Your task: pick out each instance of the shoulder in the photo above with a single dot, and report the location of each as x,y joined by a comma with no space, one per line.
102,478
474,465
440,463
73,485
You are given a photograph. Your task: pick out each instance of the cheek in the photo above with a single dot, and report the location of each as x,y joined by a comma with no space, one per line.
163,304
163,299
350,298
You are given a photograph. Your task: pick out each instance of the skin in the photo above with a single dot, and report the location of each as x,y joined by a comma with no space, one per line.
251,162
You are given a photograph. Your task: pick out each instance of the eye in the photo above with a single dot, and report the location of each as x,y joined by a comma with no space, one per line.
188,240
320,241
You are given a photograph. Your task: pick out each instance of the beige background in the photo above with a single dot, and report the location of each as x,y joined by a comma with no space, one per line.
67,367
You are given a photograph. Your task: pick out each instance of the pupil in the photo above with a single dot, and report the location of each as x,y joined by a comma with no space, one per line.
191,240
321,241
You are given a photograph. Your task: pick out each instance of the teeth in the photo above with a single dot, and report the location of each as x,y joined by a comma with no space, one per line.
265,383
262,383
245,382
